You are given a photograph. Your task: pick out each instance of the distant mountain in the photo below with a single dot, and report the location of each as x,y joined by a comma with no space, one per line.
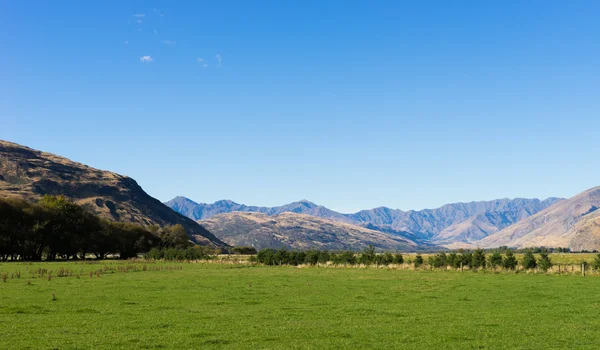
458,222
573,223
299,231
201,211
30,174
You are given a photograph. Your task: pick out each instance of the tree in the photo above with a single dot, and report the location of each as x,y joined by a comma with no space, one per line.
452,259
529,261
596,263
266,256
418,260
509,262
544,263
244,250
398,258
495,259
438,260
368,255
175,236
466,258
478,258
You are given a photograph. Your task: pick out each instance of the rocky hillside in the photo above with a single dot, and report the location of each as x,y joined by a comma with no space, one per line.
201,211
573,223
29,174
458,222
300,231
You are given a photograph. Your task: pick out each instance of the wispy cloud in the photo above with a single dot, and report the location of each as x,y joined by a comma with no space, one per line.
126,42
159,13
146,59
139,15
139,21
169,42
219,61
202,62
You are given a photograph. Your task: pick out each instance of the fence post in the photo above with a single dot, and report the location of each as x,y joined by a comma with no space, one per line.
461,266
559,269
583,270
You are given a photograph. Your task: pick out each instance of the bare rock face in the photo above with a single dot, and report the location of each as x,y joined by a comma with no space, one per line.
301,231
573,223
30,174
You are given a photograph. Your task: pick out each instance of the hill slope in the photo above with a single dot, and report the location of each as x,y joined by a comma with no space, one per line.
573,223
30,174
458,222
300,231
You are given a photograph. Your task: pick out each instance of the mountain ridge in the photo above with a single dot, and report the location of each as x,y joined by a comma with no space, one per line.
572,223
289,230
29,174
446,224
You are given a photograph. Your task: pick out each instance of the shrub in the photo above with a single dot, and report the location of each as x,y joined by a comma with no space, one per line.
311,257
544,263
244,250
509,262
495,259
529,261
478,258
398,259
266,256
438,260
418,260
596,263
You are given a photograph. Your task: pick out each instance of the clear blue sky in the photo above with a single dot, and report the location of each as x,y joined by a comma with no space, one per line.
348,104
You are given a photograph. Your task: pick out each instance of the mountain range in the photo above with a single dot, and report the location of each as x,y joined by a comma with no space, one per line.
30,174
573,223
451,223
300,231
553,222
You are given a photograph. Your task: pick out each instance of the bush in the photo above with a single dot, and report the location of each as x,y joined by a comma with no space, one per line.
398,258
244,250
438,260
529,261
509,262
495,259
596,263
418,260
478,258
544,263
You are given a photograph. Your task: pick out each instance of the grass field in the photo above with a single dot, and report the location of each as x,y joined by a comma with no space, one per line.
188,305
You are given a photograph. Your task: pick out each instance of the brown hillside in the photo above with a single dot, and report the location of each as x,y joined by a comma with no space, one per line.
30,174
301,231
573,223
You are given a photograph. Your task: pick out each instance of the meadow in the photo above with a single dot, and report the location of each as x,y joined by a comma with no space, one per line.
147,305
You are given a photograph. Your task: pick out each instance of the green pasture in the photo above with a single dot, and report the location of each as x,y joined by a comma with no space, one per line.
137,305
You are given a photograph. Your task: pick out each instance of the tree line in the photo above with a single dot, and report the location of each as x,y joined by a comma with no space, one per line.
272,257
476,259
57,228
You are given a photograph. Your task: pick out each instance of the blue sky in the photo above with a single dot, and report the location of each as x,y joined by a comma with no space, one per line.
349,104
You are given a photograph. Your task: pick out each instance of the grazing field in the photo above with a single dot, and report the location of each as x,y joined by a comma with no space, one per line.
133,305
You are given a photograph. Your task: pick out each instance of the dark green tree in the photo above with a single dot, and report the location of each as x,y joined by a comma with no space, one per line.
495,259
544,263
398,258
529,261
418,260
596,263
509,262
438,260
478,258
